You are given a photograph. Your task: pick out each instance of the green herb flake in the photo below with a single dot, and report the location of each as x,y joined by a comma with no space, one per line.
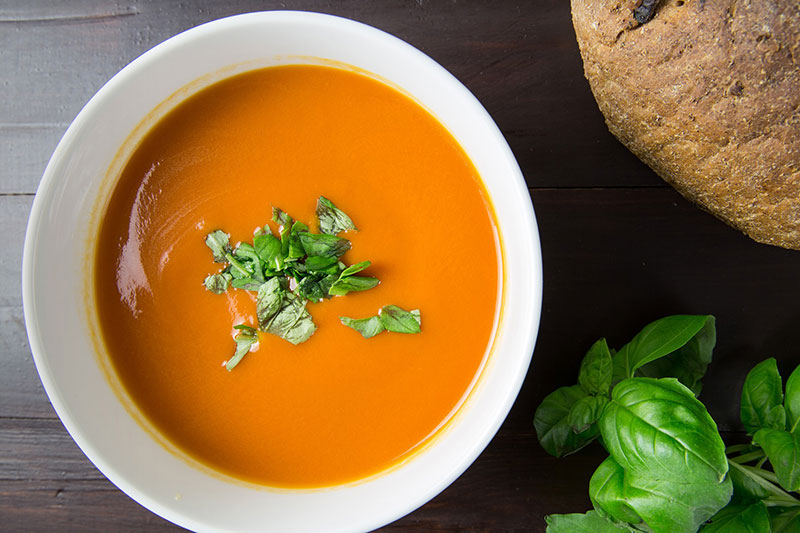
218,283
368,327
245,339
219,243
399,320
344,285
324,245
332,220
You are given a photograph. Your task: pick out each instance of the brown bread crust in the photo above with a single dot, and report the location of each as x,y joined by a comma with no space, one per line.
707,93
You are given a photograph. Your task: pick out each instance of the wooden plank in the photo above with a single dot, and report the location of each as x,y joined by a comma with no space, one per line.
21,392
522,62
14,212
25,150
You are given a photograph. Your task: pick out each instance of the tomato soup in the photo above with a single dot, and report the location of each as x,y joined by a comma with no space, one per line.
338,407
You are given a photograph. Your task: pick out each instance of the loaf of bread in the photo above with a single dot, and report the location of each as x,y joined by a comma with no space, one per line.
707,93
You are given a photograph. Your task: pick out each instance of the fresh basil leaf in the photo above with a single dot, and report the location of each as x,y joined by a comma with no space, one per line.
293,321
326,283
238,269
296,250
792,401
752,518
355,269
595,372
688,363
351,284
316,263
552,422
586,412
332,220
218,283
324,245
219,243
656,340
368,327
762,398
747,487
783,450
607,492
269,251
281,217
671,453
262,230
286,237
247,253
396,319
245,339
309,288
248,284
269,301
785,520
590,522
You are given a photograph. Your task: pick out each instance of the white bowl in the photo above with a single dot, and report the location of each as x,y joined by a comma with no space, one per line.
63,226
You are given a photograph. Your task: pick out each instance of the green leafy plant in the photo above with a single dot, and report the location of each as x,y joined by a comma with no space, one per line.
668,469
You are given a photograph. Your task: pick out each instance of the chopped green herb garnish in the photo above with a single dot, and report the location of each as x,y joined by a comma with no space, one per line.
389,318
346,284
324,245
332,220
399,320
368,327
311,261
218,283
245,339
218,241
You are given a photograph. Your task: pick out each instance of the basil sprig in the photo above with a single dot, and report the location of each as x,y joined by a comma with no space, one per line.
290,267
668,469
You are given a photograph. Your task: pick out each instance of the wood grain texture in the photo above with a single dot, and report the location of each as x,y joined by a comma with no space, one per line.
619,248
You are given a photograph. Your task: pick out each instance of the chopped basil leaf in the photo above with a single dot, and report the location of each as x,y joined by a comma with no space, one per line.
316,263
343,285
218,283
326,283
368,327
246,252
354,269
286,234
309,287
268,249
324,245
262,230
280,217
332,220
269,301
245,340
248,284
296,250
238,269
219,243
399,320
293,321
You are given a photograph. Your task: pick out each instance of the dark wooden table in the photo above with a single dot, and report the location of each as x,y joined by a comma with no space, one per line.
620,247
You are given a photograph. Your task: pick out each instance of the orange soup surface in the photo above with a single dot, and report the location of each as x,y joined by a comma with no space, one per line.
338,407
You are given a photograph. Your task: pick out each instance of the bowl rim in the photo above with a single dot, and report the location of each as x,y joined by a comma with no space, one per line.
37,220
